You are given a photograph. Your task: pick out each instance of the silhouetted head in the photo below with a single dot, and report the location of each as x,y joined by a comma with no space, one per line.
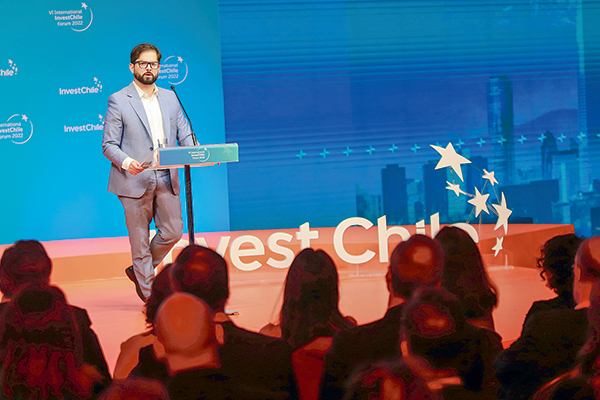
26,261
586,271
464,274
434,327
185,331
415,262
162,287
587,259
136,388
312,279
39,337
202,272
556,260
383,382
311,298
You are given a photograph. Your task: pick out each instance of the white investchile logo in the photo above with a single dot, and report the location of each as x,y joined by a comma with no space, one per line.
174,69
96,88
91,127
74,19
17,128
11,70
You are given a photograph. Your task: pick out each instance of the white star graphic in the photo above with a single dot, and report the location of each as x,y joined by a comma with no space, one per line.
498,246
450,159
455,187
24,117
179,59
503,214
490,177
479,201
84,5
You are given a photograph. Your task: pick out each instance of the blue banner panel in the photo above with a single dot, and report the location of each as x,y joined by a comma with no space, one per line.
60,60
341,108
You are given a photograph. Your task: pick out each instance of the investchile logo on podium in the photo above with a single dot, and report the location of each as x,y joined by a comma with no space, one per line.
78,20
18,128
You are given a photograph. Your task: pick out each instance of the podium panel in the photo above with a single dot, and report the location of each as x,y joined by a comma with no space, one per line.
194,156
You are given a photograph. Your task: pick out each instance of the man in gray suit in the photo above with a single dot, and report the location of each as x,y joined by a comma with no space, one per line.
140,118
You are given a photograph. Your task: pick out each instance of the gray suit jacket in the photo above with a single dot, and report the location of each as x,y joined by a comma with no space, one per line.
127,133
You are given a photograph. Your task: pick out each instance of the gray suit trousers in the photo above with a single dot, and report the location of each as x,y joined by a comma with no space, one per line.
159,202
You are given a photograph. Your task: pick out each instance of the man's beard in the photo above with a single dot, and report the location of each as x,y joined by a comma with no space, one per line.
146,79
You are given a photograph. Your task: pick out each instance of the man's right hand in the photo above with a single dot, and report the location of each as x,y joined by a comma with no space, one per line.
135,168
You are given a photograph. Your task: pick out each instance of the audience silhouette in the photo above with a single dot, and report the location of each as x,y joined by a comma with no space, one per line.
26,262
134,388
551,339
42,350
441,354
311,296
415,262
188,340
556,260
128,358
310,316
464,275
203,273
437,339
583,381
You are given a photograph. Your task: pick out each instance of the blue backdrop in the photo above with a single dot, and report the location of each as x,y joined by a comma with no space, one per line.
334,105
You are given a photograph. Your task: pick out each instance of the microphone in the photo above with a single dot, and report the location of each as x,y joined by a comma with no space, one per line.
186,115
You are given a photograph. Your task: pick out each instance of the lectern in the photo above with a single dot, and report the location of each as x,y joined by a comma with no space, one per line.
191,156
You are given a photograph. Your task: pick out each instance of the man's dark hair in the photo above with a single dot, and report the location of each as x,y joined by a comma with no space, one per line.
26,261
140,48
202,272
416,262
557,256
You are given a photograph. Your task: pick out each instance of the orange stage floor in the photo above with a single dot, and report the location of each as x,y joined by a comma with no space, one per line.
91,272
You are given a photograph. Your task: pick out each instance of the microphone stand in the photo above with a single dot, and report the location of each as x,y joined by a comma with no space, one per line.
188,180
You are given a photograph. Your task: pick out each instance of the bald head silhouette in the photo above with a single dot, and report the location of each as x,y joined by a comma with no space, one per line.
202,272
586,271
186,333
415,262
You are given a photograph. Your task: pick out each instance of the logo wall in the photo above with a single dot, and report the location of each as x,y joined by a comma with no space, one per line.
77,19
17,128
174,69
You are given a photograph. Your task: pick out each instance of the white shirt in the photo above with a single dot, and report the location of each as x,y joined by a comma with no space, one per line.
154,114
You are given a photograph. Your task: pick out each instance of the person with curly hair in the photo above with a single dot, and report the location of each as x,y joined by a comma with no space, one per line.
556,260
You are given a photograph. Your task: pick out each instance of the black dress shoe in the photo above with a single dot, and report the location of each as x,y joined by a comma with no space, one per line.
131,275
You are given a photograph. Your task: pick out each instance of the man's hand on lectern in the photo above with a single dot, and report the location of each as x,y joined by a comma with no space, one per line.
135,168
